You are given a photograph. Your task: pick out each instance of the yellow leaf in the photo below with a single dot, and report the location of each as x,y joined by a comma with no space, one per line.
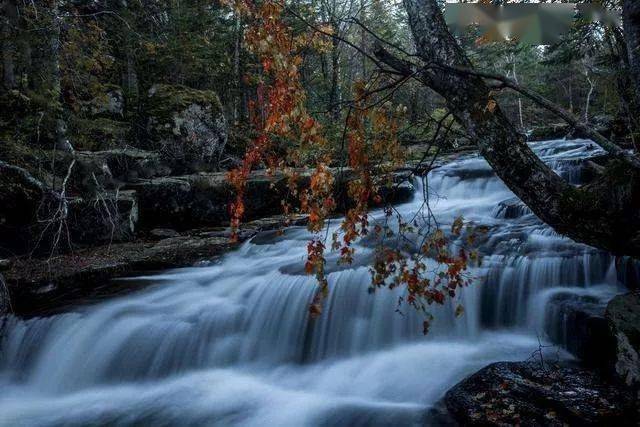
491,105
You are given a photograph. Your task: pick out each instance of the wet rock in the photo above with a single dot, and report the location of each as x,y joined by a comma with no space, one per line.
623,315
577,322
525,393
186,125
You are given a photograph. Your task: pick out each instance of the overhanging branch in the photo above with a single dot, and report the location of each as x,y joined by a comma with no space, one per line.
408,68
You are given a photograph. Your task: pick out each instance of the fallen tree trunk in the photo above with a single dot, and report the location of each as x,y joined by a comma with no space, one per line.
605,214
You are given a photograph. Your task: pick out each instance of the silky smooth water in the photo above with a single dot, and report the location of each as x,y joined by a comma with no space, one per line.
233,344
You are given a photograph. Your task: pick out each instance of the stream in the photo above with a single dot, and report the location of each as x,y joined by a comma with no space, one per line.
232,343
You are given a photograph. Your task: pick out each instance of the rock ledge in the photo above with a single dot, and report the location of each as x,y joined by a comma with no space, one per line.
525,393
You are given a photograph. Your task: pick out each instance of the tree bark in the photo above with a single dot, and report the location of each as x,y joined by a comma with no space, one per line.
333,106
631,22
45,71
605,214
515,79
8,47
237,78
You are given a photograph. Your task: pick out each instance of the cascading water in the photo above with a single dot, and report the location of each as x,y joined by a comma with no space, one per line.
233,344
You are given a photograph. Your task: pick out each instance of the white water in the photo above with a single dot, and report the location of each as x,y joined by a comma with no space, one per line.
232,343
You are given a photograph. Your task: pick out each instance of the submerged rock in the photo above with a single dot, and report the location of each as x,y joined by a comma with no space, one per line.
528,394
623,314
186,126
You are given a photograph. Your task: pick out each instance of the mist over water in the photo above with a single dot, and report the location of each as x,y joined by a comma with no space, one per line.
233,343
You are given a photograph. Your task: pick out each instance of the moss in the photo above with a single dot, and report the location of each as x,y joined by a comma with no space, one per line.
167,99
97,134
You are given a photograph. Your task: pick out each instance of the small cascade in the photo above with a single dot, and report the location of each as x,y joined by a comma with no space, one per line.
233,343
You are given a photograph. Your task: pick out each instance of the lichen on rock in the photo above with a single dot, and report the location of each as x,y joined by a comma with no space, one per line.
186,125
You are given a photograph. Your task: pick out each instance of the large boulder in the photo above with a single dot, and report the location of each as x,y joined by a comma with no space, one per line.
623,314
186,125
530,394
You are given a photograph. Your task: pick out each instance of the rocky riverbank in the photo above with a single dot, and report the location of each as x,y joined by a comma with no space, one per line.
37,286
144,224
117,212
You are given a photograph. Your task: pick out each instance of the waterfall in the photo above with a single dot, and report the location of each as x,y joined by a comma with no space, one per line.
233,343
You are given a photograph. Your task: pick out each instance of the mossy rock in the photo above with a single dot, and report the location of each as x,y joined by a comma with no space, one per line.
187,126
98,134
163,100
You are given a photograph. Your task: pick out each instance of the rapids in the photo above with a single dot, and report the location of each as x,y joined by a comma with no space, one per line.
232,343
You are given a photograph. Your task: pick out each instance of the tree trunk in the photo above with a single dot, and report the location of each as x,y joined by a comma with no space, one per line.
45,72
334,108
588,101
8,45
131,75
605,214
631,21
237,78
515,78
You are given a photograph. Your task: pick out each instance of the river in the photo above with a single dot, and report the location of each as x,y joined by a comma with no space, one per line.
232,343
